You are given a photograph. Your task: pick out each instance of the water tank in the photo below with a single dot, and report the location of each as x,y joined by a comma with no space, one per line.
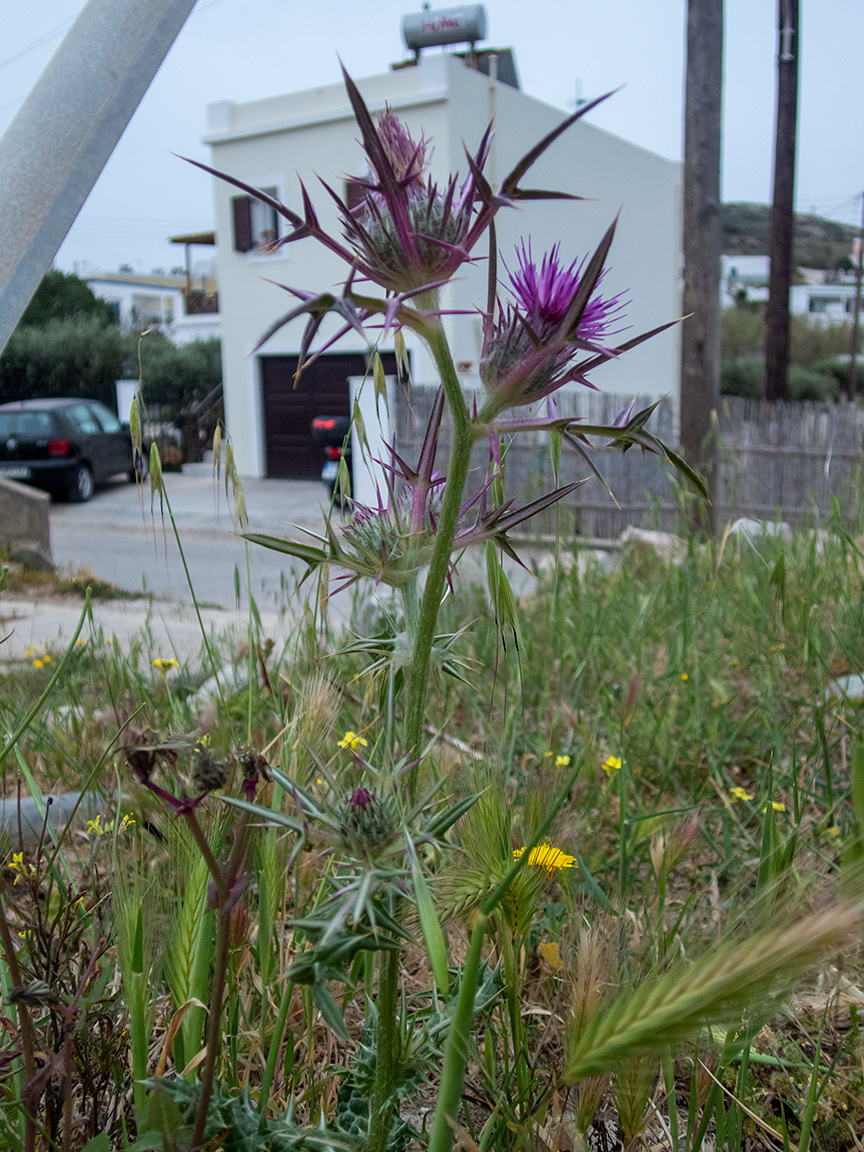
465,24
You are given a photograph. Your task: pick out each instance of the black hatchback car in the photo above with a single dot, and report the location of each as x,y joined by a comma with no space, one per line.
63,446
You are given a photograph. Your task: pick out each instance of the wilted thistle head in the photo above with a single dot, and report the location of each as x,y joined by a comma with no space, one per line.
367,820
208,774
529,346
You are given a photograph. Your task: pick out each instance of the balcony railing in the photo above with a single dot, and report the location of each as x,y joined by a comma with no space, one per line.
199,303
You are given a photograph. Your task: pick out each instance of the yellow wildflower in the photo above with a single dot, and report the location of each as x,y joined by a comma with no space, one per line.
353,741
734,663
95,827
684,676
125,823
740,794
776,805
612,764
832,831
547,856
38,663
21,870
777,647
164,666
562,761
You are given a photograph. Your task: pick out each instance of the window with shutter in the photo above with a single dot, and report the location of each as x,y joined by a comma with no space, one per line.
242,209
256,224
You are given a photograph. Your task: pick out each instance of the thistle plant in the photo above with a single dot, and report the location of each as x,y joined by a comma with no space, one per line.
382,825
408,236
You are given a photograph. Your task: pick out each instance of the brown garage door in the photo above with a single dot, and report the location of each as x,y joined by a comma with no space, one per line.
288,411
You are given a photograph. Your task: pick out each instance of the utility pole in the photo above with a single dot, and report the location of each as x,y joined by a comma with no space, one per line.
54,150
856,324
702,243
783,207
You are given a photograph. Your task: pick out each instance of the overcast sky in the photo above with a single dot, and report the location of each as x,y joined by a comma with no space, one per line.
247,49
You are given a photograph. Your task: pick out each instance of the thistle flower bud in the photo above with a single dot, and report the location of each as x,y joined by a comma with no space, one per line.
367,820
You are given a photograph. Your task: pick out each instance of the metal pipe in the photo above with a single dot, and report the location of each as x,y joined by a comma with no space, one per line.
54,150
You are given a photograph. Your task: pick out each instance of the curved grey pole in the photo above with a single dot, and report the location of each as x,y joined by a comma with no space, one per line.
54,150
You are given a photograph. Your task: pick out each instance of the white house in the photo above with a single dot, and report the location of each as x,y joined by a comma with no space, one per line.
823,298
184,310
268,143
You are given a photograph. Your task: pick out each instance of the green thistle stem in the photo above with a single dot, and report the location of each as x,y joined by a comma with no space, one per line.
448,521
387,1054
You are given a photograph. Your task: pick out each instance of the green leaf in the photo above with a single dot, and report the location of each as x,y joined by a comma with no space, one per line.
99,1143
313,556
266,815
380,381
329,1009
556,443
683,467
433,937
442,822
360,426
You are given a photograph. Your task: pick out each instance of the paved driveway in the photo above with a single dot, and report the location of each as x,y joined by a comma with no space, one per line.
117,539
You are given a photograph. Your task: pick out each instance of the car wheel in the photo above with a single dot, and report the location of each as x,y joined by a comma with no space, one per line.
81,488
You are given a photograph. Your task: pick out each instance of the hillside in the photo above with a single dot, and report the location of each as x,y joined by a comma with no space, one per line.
819,243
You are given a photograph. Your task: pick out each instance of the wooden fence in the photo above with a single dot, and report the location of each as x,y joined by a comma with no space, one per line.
775,459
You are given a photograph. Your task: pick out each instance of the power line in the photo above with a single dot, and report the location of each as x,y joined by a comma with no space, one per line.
38,43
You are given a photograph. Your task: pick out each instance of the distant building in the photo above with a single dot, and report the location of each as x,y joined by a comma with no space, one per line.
824,297
182,309
268,142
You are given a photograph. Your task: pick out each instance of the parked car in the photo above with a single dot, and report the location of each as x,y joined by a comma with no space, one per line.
63,446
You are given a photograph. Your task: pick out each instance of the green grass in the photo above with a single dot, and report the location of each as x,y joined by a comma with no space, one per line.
707,681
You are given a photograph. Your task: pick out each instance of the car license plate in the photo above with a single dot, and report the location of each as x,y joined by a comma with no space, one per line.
15,471
330,470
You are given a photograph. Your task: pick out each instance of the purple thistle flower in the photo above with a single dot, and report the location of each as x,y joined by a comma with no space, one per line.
530,348
544,295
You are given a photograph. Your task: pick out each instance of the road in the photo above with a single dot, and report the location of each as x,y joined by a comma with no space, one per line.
115,537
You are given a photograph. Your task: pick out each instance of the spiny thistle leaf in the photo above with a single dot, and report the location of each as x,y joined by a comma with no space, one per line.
717,988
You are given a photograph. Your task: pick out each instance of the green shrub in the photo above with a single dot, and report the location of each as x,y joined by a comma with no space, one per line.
84,357
838,369
743,331
743,378
78,357
809,384
811,342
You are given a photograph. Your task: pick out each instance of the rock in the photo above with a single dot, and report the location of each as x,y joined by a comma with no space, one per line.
645,544
850,687
756,529
32,819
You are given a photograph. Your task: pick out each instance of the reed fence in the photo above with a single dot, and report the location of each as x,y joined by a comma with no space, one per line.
776,459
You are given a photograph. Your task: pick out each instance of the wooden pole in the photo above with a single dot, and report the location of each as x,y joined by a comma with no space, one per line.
702,242
783,207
